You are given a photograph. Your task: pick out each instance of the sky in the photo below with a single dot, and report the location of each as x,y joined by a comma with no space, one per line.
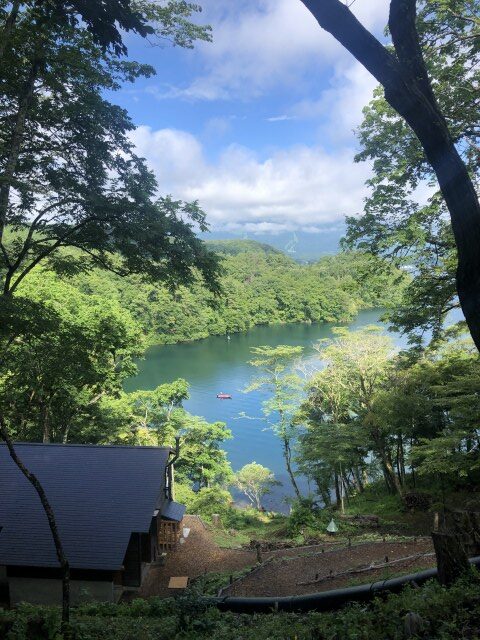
258,125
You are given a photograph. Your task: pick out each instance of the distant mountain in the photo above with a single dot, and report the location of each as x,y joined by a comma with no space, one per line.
234,247
301,246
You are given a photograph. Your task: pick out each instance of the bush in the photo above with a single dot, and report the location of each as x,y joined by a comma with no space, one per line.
185,495
446,614
209,501
416,500
303,514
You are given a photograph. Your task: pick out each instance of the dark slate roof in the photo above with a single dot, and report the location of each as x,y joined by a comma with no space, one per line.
173,511
99,494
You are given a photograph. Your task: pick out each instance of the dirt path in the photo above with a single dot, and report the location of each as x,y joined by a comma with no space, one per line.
283,570
199,555
282,576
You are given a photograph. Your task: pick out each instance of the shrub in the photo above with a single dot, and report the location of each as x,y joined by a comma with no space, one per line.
416,500
446,614
209,501
303,514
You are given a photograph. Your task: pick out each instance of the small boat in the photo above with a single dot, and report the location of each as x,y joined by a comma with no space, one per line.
224,396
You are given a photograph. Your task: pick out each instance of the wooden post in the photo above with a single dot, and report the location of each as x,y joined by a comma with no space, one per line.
436,521
452,560
216,520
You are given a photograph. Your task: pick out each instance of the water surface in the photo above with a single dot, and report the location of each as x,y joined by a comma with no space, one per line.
218,364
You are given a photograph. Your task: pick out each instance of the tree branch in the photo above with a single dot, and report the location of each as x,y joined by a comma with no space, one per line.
32,478
402,25
337,19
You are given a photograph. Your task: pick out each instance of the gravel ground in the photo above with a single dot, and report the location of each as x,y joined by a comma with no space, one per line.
282,576
197,556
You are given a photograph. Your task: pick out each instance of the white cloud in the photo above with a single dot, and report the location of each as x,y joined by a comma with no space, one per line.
217,127
259,44
340,106
296,188
281,118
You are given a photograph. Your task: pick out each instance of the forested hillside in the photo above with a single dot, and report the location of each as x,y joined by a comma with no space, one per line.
260,284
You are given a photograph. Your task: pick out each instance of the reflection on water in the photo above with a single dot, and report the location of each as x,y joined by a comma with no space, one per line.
219,365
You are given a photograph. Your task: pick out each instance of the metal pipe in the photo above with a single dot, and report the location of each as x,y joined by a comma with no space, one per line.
326,600
168,469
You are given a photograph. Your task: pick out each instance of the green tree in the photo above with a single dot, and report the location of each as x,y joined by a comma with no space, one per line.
202,462
342,397
284,388
450,449
159,410
260,286
73,350
407,83
69,178
332,450
394,225
255,481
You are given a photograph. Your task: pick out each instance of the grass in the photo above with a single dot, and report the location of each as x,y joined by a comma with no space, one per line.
393,516
241,526
210,583
386,574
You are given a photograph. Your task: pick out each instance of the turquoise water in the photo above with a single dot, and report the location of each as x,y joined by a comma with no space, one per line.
216,365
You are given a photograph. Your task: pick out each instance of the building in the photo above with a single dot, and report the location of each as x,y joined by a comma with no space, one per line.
115,514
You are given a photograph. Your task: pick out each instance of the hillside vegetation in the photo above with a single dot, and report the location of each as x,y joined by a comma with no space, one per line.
260,284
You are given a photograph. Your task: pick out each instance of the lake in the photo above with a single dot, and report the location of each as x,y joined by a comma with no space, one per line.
216,365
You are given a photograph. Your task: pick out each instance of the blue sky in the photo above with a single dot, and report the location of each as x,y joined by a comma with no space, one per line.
257,125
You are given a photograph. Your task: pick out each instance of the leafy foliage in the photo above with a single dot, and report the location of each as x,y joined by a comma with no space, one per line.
284,388
394,223
255,481
372,413
69,176
444,612
71,351
260,286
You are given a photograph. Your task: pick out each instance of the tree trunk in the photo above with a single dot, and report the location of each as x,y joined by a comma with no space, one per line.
392,475
325,495
64,565
408,90
388,471
358,477
452,560
460,197
46,424
466,524
287,454
386,479
338,495
9,25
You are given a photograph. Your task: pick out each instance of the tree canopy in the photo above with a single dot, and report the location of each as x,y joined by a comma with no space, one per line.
69,176
411,91
255,481
394,223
